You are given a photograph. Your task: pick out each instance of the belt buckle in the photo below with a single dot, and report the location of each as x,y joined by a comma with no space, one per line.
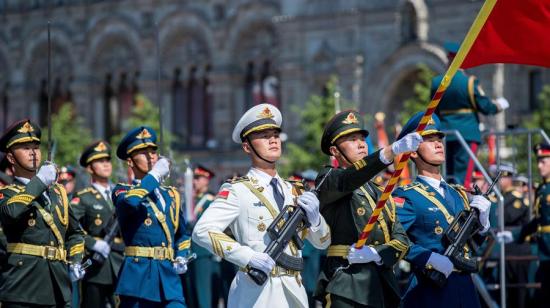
159,253
50,252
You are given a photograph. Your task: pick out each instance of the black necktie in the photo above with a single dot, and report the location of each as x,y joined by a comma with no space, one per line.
279,198
108,197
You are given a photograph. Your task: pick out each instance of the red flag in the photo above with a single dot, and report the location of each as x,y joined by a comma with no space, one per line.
515,32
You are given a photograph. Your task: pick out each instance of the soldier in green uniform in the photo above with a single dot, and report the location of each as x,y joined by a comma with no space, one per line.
458,109
42,233
203,270
347,198
541,225
94,209
516,214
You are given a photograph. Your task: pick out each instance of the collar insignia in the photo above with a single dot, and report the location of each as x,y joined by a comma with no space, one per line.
350,119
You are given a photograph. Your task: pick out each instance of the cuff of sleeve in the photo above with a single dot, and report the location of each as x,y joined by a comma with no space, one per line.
383,158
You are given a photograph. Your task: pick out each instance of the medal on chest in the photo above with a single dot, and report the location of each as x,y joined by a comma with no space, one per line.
98,220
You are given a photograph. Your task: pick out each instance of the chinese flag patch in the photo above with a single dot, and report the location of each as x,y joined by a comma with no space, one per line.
118,192
75,200
399,201
224,193
1,196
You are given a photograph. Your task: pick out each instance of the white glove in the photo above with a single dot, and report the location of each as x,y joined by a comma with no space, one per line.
76,272
161,169
441,264
47,173
102,248
409,143
310,203
484,206
262,261
180,265
502,103
364,255
505,237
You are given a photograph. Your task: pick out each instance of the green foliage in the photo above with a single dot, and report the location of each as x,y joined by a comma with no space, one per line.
69,134
313,116
421,97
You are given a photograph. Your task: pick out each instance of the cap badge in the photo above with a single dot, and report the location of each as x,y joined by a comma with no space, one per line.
144,134
100,147
266,114
26,128
431,121
350,119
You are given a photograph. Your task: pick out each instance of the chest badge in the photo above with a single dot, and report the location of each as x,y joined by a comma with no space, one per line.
261,227
148,221
438,230
31,222
517,204
98,221
98,207
361,211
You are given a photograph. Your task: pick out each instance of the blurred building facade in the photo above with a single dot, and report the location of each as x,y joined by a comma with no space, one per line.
219,57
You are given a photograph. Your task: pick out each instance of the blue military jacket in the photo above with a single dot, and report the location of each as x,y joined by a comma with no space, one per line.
425,214
460,104
146,277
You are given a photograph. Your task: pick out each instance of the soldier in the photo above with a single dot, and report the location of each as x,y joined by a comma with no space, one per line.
67,178
248,205
426,208
541,225
348,197
516,214
458,109
152,226
42,233
205,268
94,209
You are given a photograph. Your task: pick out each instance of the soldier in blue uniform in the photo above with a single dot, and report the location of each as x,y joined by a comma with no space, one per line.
152,225
425,208
541,225
458,109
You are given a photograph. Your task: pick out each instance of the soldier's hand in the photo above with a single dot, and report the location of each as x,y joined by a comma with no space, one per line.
364,255
76,272
484,206
441,263
505,237
262,261
47,173
102,247
161,169
502,103
409,143
180,265
310,203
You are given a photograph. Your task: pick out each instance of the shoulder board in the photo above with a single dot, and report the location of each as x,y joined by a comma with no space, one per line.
13,187
411,185
238,180
458,187
85,190
125,185
295,182
517,194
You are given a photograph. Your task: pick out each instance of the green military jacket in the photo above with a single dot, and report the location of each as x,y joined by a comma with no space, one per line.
24,214
347,200
95,214
541,223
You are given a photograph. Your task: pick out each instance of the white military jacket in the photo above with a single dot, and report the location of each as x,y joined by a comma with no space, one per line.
239,207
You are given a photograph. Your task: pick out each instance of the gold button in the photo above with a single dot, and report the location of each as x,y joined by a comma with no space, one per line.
20,263
261,217
228,248
163,245
376,242
397,255
136,260
51,243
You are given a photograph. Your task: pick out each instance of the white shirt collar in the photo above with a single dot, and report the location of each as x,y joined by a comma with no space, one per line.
102,189
23,180
263,178
434,183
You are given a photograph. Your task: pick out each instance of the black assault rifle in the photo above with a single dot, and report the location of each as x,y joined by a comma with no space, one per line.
112,230
457,235
285,228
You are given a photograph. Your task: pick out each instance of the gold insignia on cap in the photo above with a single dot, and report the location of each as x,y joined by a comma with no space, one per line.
431,121
361,211
438,230
100,147
144,134
26,128
266,114
350,119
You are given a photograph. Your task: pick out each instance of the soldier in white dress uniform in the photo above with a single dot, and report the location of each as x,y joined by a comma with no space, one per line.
247,206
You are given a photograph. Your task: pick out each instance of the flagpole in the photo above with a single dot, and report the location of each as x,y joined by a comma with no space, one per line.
449,74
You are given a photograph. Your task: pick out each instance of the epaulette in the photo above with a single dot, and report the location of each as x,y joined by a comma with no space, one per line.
238,180
85,190
458,187
411,185
125,184
13,187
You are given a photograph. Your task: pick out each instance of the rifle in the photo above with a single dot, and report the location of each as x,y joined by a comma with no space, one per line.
457,235
285,228
112,231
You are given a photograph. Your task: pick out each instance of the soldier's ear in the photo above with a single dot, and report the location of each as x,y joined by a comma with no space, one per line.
10,158
130,162
89,169
414,155
246,147
334,151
